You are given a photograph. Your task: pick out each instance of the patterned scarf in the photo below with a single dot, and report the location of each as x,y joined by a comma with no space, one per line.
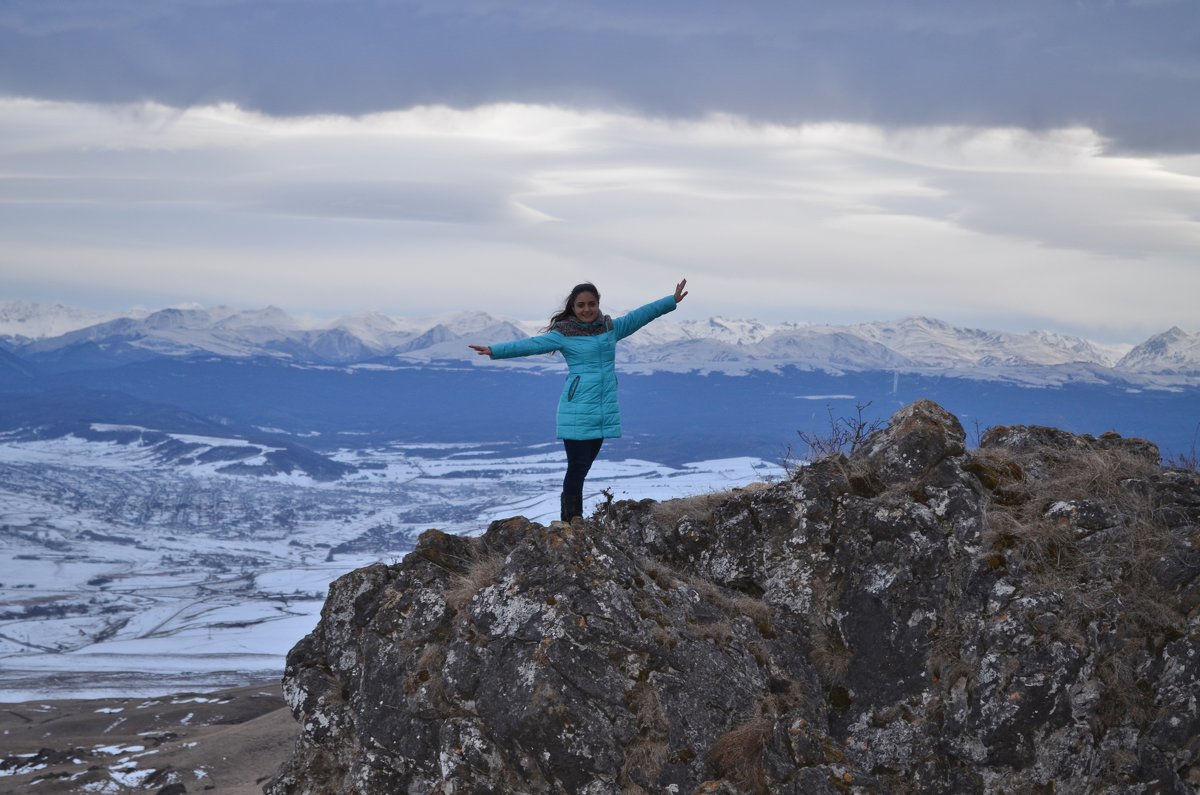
573,328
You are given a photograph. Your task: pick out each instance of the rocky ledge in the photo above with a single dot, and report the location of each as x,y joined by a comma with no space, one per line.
912,617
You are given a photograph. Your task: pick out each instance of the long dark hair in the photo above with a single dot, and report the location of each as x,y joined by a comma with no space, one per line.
569,310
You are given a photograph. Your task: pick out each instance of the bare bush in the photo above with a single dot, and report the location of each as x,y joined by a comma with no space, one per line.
843,436
1188,460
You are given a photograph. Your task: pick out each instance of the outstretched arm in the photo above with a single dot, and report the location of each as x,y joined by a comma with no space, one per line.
627,324
542,343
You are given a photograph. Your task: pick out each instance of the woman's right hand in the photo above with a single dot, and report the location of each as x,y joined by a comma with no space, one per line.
482,350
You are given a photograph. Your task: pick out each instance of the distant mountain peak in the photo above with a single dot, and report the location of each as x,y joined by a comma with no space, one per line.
1173,333
1172,351
717,343
36,321
922,320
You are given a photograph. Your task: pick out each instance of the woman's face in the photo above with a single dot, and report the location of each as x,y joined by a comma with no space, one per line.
586,307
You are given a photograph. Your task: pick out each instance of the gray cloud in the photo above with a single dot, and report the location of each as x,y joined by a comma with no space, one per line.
1130,70
431,210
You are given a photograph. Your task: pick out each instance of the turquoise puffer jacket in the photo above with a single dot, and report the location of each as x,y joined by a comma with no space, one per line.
588,407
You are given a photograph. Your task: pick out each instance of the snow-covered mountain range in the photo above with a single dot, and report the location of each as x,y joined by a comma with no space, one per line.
54,333
177,487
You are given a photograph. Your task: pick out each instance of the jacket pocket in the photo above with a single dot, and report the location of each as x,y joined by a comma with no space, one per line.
571,391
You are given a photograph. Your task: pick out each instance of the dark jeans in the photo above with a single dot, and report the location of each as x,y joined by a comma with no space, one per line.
580,455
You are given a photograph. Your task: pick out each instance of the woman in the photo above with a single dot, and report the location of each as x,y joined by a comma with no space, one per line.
587,410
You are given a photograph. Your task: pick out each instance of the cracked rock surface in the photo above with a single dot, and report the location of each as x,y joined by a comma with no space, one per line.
910,617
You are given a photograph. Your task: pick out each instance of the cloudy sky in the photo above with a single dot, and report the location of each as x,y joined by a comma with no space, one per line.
1020,164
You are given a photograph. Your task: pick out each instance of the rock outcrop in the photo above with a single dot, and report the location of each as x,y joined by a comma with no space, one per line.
912,617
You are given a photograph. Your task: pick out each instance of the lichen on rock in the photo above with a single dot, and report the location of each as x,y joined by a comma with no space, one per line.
915,617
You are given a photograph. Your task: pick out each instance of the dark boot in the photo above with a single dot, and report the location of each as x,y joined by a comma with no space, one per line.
572,506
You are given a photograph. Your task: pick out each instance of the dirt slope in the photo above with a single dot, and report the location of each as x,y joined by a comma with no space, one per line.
228,742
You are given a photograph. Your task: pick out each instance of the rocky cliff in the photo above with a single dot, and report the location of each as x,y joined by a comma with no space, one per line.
913,617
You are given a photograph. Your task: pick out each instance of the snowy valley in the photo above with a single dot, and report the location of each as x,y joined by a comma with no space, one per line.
127,573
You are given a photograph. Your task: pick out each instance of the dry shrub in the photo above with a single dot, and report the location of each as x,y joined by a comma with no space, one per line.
738,754
836,447
1105,576
1187,460
844,436
481,572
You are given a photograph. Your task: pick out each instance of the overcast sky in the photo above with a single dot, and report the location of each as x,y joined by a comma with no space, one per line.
1017,165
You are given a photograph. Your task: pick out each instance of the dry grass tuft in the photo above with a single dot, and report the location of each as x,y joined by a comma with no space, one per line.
757,610
663,638
733,604
948,661
828,654
699,507
718,632
646,754
1020,525
481,572
659,573
738,754
1103,570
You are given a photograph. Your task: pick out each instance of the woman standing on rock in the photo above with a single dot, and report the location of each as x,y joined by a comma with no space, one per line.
588,412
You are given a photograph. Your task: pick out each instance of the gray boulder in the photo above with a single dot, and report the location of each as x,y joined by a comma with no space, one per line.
913,617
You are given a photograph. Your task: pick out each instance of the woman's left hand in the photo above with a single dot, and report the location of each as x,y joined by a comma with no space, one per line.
679,291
